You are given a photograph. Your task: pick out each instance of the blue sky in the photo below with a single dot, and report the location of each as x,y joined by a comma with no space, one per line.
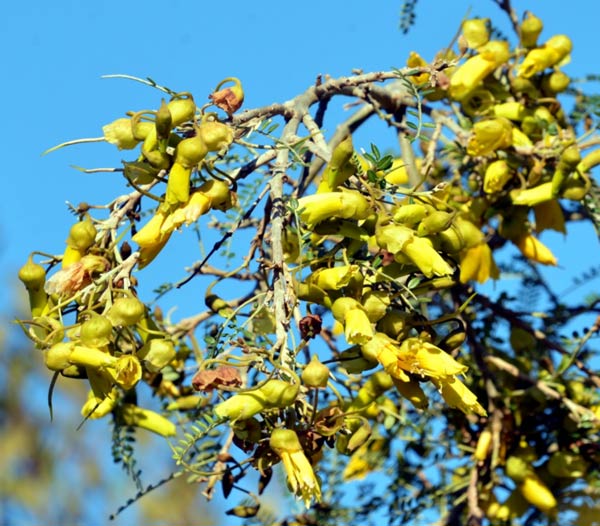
54,53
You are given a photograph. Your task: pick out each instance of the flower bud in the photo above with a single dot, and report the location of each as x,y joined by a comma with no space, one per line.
216,135
497,174
530,29
352,315
57,357
315,374
411,391
437,221
375,303
556,82
136,416
82,235
157,354
537,493
346,204
395,324
490,135
410,214
190,151
182,109
354,362
476,32
126,312
164,121
32,275
484,444
96,332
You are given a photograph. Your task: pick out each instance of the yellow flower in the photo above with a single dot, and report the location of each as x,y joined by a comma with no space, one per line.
347,205
476,32
554,51
401,240
535,250
532,196
457,395
126,371
470,75
96,407
422,357
336,278
549,216
415,60
122,134
497,174
139,417
357,326
300,475
478,263
490,135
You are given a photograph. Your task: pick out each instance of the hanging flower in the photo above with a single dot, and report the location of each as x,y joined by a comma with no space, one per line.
139,417
352,315
456,394
477,263
533,249
490,135
300,475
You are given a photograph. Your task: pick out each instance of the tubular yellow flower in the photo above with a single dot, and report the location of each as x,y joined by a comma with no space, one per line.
457,395
535,250
422,357
532,196
555,50
150,234
477,263
415,60
549,216
96,407
300,475
120,133
377,384
139,417
126,371
470,75
337,278
385,350
274,394
347,205
339,168
401,240
497,174
490,135
350,313
157,353
412,391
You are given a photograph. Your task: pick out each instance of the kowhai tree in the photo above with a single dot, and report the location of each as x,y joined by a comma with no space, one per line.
348,325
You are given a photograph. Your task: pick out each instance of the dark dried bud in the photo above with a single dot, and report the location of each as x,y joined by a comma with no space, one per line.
310,326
